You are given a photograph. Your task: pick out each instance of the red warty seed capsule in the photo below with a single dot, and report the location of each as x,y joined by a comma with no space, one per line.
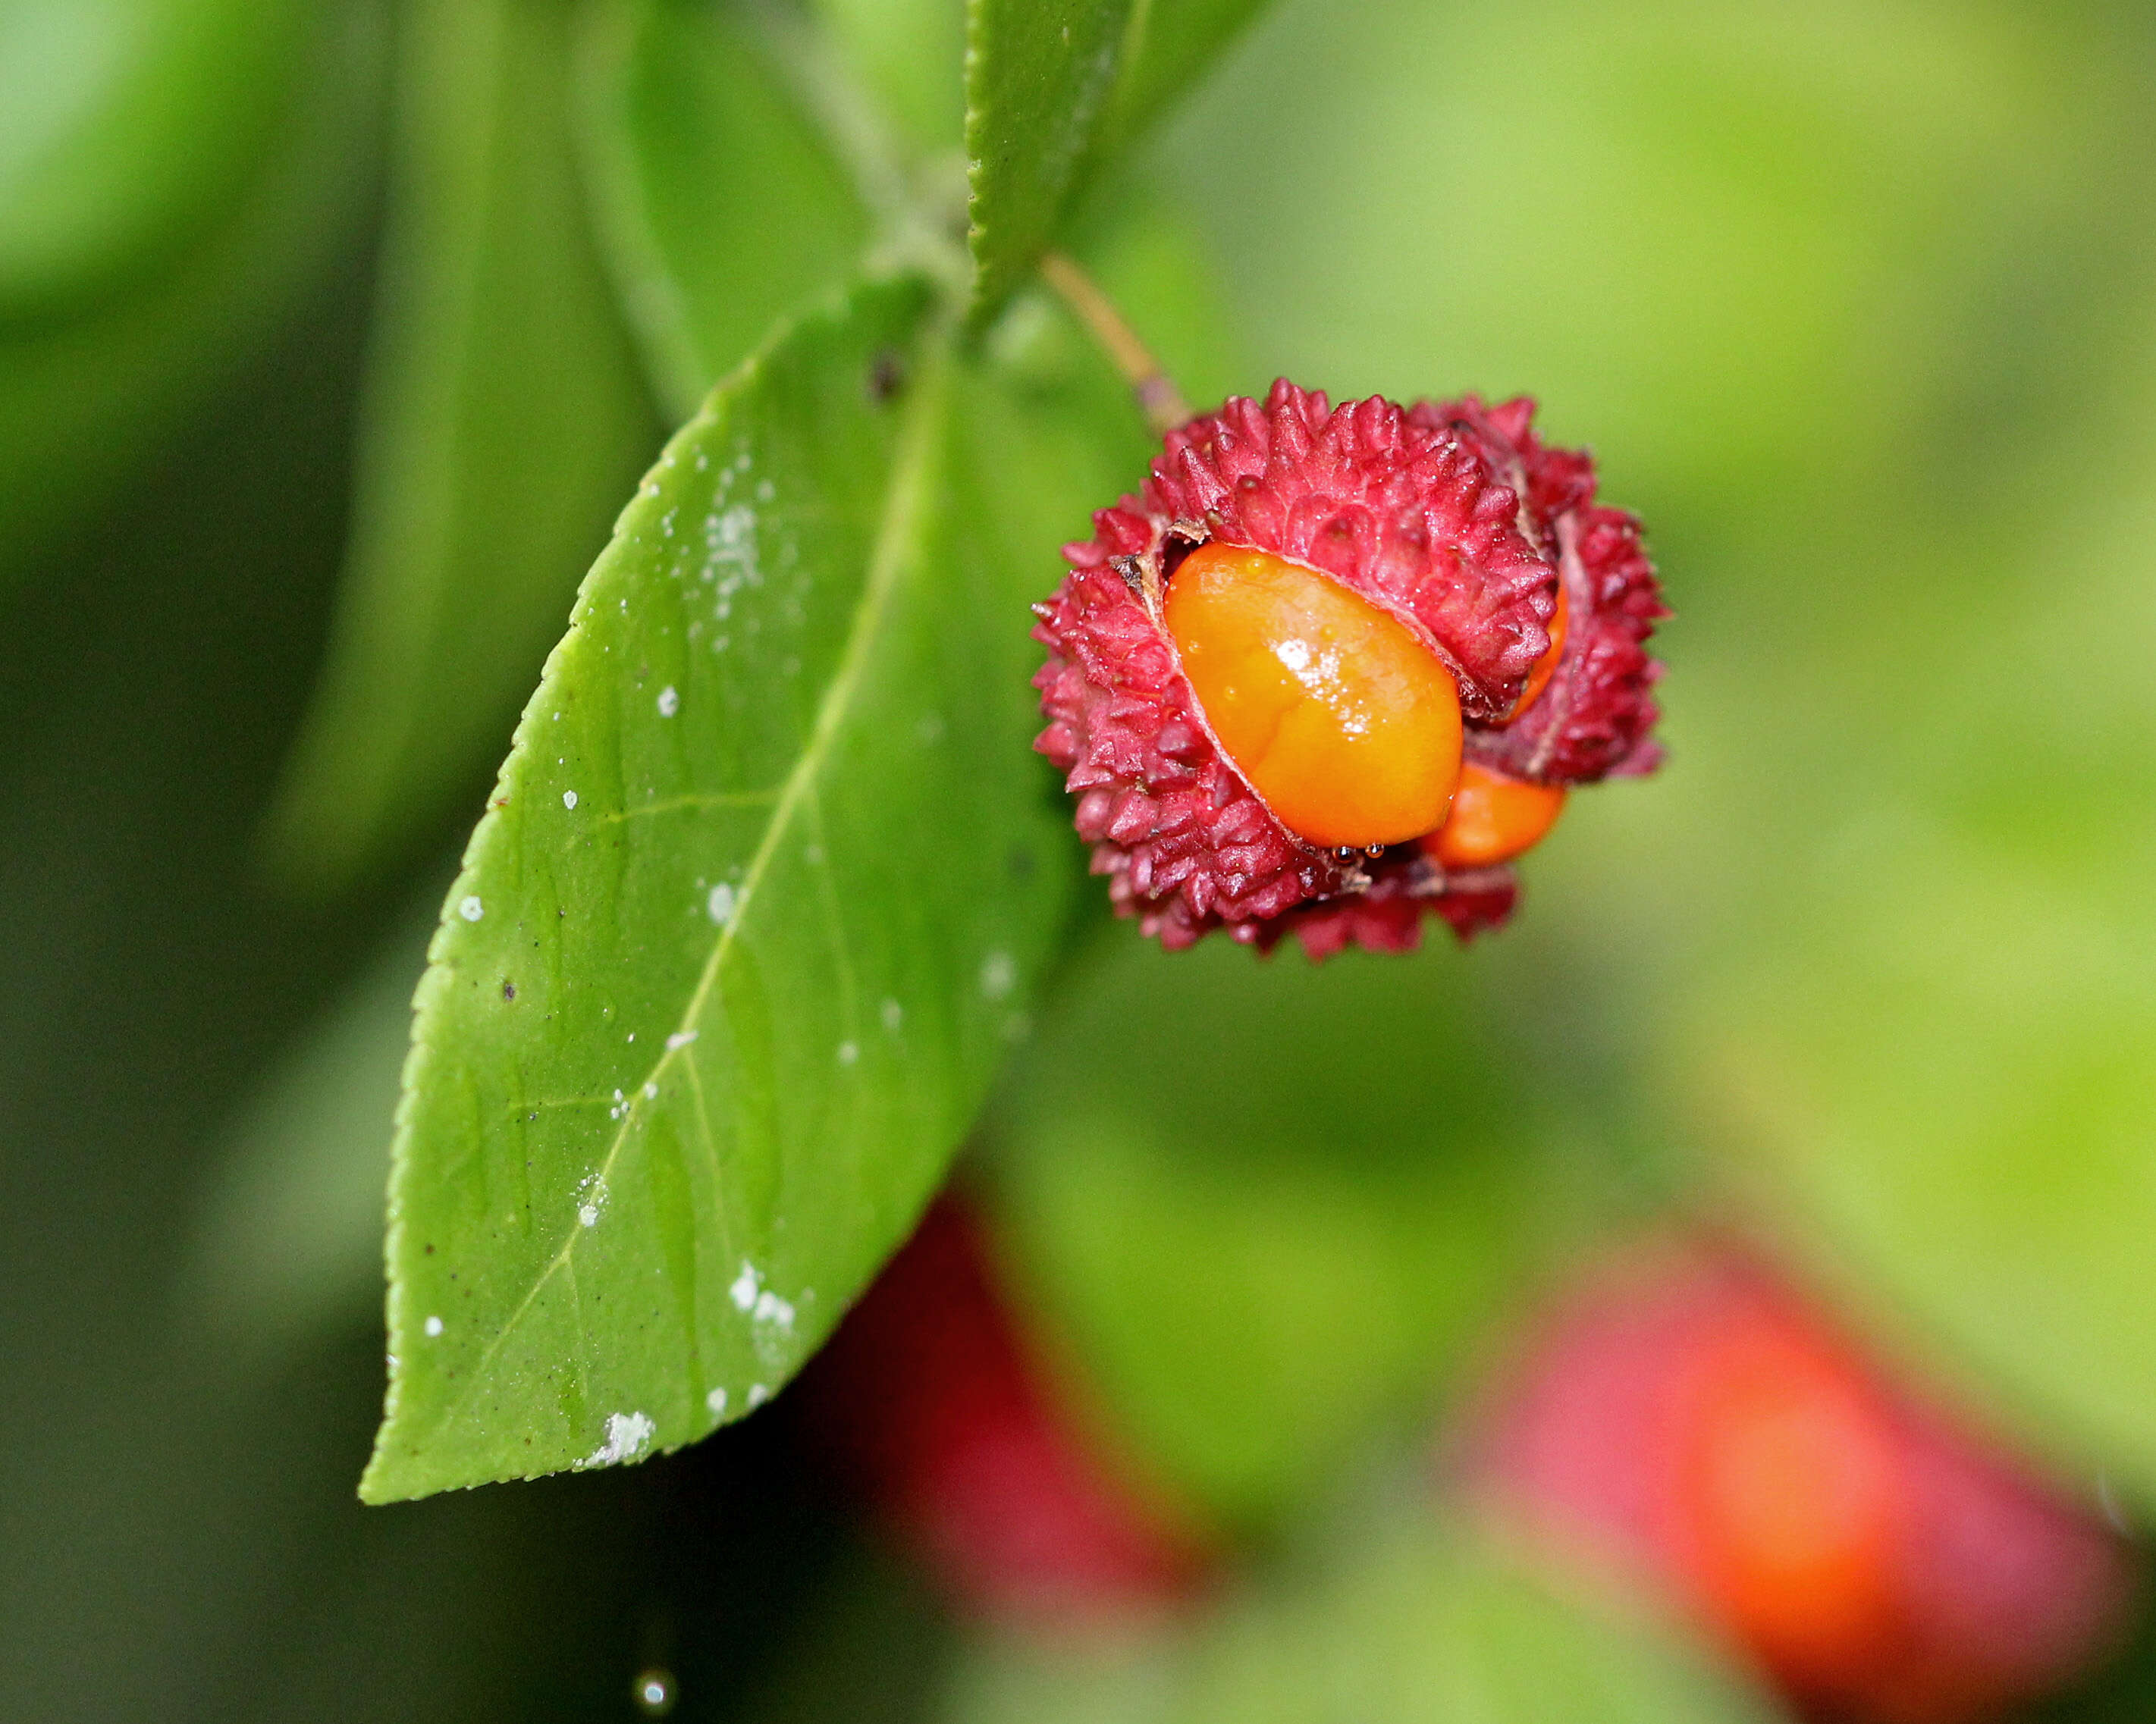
1384,554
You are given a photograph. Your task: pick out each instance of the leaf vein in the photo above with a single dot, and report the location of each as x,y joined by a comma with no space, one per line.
911,470
707,799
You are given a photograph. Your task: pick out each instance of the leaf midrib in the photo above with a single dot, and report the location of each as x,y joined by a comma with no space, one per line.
896,530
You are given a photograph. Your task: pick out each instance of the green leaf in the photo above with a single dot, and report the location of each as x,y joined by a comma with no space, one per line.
721,207
908,55
126,125
1409,1627
1172,42
1214,1159
766,884
1039,81
502,419
85,400
1052,92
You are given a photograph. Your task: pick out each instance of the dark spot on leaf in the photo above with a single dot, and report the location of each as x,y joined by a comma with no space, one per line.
509,990
1021,862
886,375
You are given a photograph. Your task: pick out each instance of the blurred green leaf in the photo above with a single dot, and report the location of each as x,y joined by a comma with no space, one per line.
1051,93
1783,232
1264,1203
765,887
502,420
721,207
1147,254
290,1244
1945,1057
1407,1627
909,55
125,125
84,399
1170,44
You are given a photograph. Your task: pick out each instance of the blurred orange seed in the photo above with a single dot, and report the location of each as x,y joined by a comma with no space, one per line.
1337,713
1790,1487
1493,819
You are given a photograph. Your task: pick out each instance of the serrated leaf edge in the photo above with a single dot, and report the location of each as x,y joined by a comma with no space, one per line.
913,466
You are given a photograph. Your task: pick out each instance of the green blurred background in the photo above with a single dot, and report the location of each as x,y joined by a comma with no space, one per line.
1857,305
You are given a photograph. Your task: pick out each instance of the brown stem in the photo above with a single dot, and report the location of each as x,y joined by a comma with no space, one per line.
1157,397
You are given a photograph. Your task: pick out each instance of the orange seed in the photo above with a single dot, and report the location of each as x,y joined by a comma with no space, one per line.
1339,715
1493,819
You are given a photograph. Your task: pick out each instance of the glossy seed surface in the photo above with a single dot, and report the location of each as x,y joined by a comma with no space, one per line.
1493,819
1337,713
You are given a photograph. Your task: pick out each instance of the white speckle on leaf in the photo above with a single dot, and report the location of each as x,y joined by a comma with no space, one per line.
568,798
589,1215
720,906
470,909
849,1052
813,855
998,974
747,1286
679,1039
716,1401
651,1092
770,1308
894,1015
627,1434
669,701
651,488
757,1394
432,1325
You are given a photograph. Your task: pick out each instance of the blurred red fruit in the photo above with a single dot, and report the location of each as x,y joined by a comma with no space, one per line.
1686,1418
927,1399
